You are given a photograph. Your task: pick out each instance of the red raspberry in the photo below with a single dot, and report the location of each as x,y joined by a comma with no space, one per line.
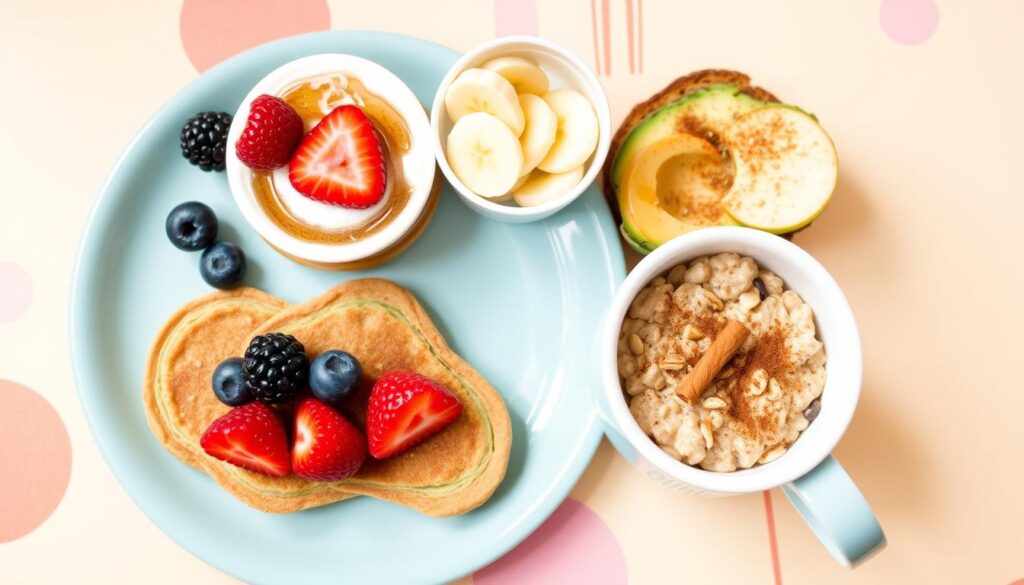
271,135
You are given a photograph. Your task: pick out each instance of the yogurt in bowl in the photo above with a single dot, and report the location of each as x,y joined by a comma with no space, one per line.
331,236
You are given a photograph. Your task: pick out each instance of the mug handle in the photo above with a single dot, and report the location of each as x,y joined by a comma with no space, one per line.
830,503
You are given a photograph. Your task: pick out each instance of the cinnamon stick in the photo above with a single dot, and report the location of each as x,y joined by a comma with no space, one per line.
728,340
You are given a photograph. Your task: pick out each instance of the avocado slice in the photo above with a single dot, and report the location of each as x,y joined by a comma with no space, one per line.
705,112
672,186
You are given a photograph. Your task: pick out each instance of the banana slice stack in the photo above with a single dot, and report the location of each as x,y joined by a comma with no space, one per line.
513,137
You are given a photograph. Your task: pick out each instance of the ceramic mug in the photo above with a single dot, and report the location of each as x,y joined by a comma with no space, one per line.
811,478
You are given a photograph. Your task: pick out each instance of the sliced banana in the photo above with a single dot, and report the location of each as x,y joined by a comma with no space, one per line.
482,90
577,131
523,74
540,131
543,187
508,196
485,154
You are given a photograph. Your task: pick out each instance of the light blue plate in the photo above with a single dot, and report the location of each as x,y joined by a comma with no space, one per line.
520,302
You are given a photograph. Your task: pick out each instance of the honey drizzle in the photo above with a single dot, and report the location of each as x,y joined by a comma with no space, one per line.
395,139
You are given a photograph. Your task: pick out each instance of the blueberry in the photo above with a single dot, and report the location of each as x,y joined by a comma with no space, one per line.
222,265
191,226
229,383
334,376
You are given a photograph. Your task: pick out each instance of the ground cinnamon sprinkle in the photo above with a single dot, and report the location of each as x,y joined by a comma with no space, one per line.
690,124
765,143
769,354
709,324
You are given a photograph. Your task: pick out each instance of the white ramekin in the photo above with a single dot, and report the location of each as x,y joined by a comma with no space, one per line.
565,70
418,163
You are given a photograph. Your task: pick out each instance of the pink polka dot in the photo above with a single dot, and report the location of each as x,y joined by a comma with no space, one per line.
515,17
573,546
213,30
35,460
15,292
909,22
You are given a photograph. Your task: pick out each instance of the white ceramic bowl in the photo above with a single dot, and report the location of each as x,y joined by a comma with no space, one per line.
418,162
565,70
836,328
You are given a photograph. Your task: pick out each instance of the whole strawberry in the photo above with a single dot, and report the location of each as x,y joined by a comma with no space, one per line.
406,409
272,133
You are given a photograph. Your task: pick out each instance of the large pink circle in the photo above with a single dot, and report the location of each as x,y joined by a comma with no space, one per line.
573,546
15,291
910,22
213,30
35,460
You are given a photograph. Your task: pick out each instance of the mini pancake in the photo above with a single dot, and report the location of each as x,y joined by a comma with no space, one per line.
385,327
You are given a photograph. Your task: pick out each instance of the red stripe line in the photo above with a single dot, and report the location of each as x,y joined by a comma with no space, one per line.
772,540
639,36
593,32
629,33
606,26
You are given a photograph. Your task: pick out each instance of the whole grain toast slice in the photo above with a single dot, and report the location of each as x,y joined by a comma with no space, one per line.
675,90
385,327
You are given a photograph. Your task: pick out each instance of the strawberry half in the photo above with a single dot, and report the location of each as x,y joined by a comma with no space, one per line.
327,446
405,409
340,161
251,437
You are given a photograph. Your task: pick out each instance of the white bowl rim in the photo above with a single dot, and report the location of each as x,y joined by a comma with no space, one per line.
839,398
402,99
602,109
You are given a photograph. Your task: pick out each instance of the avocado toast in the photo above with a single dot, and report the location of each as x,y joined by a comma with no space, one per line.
711,149
386,328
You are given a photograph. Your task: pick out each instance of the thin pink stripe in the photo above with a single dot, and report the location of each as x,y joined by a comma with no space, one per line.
640,36
772,540
593,32
515,17
606,26
629,33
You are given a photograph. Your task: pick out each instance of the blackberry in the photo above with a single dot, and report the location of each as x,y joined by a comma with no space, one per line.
204,139
276,367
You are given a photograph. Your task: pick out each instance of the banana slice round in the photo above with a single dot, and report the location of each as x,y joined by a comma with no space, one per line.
540,131
485,154
523,74
508,196
482,90
577,131
543,187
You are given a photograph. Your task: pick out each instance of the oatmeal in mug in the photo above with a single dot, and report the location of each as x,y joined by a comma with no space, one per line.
759,403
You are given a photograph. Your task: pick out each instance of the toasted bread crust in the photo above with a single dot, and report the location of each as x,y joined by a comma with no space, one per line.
675,90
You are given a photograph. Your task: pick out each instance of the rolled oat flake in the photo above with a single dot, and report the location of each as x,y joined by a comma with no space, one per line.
812,410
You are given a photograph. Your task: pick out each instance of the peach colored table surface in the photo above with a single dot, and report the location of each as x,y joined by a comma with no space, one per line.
922,100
